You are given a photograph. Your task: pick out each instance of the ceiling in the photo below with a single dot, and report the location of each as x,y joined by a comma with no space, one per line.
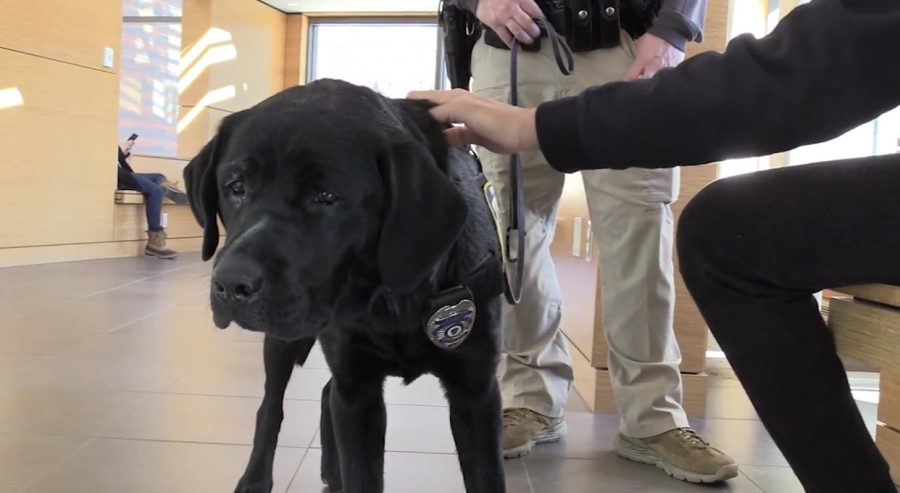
308,6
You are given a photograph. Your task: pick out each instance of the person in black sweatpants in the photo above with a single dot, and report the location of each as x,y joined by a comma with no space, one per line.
755,248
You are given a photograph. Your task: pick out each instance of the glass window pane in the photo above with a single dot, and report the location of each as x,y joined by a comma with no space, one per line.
875,137
887,132
391,58
151,8
148,87
746,17
445,77
879,136
855,143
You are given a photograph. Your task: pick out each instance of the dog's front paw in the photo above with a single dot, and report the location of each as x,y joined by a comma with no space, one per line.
332,483
253,485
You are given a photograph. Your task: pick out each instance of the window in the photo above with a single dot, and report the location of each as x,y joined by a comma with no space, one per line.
151,8
746,17
390,56
879,136
149,73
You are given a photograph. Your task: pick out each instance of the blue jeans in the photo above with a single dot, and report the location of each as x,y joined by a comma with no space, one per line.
149,184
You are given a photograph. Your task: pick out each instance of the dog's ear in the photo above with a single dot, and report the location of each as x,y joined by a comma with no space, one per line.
202,189
423,216
416,116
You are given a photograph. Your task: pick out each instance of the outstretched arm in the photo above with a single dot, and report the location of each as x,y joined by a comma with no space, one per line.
829,66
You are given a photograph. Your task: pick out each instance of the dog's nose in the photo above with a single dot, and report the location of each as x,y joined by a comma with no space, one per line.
237,284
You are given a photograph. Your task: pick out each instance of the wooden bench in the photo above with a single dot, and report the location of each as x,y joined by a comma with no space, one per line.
865,321
130,222
135,197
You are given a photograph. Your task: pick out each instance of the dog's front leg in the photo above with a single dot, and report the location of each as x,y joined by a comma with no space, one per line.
475,418
330,466
279,357
359,421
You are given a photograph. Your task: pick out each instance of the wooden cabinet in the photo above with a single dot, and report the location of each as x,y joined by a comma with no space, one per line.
865,321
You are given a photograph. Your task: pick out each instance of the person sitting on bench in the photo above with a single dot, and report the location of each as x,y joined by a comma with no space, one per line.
154,186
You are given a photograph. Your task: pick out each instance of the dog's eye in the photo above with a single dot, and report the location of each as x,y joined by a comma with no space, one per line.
236,188
326,198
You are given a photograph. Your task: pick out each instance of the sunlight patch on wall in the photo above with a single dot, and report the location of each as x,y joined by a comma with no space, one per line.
10,97
212,97
203,54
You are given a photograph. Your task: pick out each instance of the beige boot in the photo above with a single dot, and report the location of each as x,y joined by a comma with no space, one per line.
156,246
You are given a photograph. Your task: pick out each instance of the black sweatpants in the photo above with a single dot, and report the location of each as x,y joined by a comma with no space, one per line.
753,250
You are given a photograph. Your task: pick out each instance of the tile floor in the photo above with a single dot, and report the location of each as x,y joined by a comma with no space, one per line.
113,379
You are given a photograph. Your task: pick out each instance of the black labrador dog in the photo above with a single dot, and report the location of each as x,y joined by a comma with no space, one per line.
350,221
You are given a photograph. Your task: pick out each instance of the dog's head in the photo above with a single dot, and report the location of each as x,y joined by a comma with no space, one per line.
324,190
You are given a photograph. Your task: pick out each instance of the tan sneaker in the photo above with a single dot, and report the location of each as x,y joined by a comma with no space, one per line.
682,453
524,428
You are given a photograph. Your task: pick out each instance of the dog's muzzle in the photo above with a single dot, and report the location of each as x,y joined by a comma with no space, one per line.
237,285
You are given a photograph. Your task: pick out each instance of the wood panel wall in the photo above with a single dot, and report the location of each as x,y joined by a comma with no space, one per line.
250,37
57,171
296,36
62,30
56,163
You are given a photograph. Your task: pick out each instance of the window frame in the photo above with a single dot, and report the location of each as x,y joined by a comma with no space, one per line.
387,18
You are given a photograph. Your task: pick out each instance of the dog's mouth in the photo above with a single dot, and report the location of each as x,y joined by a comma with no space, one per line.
221,319
261,298
286,324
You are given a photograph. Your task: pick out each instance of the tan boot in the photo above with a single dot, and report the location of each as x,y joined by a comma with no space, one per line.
156,246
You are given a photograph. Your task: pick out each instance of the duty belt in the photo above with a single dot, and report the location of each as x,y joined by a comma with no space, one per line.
585,24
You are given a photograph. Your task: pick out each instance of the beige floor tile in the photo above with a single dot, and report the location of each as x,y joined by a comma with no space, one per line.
64,413
212,419
126,349
137,466
26,458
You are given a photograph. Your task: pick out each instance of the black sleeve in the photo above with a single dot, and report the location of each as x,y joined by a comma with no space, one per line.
123,163
829,66
680,21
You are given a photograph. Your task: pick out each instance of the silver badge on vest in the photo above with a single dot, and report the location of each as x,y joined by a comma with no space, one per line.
450,325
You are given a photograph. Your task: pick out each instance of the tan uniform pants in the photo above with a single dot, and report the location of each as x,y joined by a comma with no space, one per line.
632,223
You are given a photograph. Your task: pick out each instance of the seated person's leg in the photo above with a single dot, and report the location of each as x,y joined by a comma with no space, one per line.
753,250
157,178
153,196
169,190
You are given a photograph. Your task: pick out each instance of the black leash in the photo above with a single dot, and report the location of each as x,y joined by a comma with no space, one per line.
515,232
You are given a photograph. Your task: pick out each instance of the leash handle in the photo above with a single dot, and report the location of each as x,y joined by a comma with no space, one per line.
515,232
565,60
